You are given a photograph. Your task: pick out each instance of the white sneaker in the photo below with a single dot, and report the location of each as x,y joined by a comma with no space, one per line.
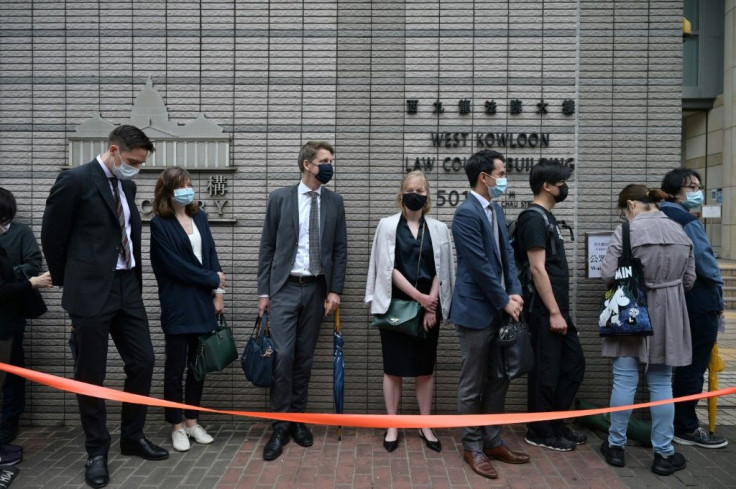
180,440
199,434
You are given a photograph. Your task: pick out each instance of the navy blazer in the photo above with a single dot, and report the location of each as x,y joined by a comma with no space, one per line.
479,294
184,285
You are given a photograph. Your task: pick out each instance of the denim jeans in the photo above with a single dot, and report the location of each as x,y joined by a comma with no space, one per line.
659,380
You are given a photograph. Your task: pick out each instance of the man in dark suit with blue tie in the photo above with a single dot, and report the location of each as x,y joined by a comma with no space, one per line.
486,285
91,236
301,274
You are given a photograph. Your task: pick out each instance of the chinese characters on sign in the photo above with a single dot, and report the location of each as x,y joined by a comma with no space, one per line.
216,186
464,107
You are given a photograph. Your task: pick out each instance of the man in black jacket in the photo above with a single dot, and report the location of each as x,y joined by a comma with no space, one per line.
91,236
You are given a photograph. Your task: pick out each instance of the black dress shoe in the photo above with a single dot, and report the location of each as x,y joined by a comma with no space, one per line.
275,444
143,448
301,434
95,471
432,445
390,446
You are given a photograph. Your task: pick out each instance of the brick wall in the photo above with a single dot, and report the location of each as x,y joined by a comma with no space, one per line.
277,73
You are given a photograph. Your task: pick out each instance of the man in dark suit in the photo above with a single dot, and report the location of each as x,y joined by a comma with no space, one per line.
91,237
301,273
486,285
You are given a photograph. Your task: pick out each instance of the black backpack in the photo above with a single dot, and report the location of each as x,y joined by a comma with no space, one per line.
520,256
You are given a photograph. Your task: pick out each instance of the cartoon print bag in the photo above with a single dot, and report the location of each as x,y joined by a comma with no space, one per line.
624,309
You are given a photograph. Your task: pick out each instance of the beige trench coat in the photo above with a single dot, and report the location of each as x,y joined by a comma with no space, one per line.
666,254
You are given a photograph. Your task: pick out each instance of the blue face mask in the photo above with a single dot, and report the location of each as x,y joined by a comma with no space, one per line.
694,199
499,189
124,171
184,196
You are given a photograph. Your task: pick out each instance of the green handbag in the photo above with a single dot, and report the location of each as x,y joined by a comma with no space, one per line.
215,351
402,316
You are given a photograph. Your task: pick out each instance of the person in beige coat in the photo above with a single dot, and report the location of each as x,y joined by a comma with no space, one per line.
411,259
666,255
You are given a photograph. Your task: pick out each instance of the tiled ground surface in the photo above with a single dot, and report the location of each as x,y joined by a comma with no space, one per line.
54,458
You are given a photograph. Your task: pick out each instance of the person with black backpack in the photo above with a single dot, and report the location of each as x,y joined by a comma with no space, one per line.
559,363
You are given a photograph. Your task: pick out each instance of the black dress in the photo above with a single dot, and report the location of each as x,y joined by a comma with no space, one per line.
403,355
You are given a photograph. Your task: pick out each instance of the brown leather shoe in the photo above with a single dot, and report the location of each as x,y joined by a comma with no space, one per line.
480,464
505,454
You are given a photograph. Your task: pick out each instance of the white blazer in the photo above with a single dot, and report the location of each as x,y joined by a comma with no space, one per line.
383,253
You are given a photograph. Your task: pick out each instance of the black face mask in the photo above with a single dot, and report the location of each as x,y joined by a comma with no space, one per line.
324,175
413,201
563,193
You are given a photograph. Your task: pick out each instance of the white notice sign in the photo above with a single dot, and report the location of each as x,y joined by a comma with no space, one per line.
596,245
711,211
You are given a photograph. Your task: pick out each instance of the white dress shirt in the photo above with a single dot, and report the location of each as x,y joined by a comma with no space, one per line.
126,213
301,263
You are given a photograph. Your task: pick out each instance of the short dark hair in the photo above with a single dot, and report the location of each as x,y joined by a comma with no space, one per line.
547,171
309,151
170,179
129,137
8,207
481,162
675,179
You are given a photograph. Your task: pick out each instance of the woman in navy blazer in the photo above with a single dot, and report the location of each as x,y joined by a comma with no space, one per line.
190,289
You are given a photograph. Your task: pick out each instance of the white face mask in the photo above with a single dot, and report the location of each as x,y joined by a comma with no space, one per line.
4,228
124,171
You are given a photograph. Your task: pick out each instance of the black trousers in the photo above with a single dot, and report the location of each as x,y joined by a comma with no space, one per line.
14,387
559,366
123,317
689,379
180,352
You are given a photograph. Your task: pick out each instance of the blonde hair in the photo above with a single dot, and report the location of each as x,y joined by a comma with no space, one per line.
414,174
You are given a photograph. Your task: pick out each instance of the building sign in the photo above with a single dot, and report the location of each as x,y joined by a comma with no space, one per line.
515,107
199,145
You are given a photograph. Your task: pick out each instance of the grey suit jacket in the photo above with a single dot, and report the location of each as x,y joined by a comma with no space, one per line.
281,235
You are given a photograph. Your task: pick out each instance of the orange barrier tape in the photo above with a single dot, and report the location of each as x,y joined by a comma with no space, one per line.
354,420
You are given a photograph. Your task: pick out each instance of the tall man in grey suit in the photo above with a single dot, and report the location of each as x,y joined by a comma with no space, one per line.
486,285
301,274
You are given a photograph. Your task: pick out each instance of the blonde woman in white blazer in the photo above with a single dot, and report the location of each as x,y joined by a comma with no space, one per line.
393,273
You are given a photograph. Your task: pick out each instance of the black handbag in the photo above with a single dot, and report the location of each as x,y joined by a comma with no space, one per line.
515,341
258,357
215,351
624,309
32,305
403,316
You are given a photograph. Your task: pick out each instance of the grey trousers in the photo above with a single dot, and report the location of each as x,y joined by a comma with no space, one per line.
296,314
480,391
